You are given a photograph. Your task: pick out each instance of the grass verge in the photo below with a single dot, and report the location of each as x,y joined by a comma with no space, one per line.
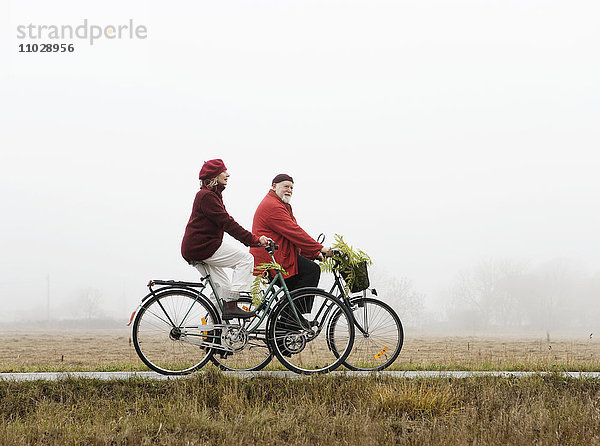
213,408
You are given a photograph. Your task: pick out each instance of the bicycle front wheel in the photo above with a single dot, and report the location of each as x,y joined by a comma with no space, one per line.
254,356
305,345
172,330
379,334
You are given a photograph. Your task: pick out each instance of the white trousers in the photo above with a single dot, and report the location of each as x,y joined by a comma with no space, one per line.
242,264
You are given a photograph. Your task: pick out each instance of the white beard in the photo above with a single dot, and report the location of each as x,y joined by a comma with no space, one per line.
286,199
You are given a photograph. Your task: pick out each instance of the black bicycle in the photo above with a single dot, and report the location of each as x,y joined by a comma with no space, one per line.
177,329
379,332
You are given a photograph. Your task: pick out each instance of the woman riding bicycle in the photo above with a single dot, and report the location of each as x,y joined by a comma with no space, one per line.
203,240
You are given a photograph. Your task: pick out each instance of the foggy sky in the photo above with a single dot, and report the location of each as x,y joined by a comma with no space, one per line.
431,134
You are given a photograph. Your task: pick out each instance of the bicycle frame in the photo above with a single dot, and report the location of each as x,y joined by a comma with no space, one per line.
275,289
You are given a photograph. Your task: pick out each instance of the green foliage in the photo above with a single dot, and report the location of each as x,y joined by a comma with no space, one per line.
347,261
262,280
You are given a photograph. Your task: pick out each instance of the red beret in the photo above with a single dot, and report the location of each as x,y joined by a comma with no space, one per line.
212,168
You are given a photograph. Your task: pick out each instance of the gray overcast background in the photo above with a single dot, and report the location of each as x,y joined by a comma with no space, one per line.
431,134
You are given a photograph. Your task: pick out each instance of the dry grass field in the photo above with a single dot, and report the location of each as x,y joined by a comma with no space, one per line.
107,350
501,352
214,408
67,350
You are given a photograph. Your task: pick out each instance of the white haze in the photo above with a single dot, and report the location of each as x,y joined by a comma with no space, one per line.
432,134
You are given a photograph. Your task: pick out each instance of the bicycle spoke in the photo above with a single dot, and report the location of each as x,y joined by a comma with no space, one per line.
379,335
255,355
305,346
167,334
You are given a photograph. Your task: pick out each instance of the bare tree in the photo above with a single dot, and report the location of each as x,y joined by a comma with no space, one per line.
398,292
488,295
556,295
88,303
559,294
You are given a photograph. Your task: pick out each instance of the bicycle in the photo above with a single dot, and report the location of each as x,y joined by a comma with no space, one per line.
379,332
177,329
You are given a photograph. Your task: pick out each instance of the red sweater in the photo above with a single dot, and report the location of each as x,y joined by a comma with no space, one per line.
275,219
207,224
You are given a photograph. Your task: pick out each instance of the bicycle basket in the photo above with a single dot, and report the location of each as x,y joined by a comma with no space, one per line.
361,277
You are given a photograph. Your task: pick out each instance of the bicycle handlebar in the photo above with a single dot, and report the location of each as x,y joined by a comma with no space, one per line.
271,247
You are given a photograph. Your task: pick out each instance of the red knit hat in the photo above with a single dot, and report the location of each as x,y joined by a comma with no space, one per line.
212,168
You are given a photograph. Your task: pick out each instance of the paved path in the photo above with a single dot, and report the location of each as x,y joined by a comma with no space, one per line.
53,376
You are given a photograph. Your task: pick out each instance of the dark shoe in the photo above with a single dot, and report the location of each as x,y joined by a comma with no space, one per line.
231,311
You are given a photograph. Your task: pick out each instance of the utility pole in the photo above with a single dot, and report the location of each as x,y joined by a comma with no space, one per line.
48,297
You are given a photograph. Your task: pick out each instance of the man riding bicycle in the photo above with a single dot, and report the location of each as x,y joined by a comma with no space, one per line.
297,250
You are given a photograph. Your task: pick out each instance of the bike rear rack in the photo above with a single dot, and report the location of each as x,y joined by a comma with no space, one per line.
176,283
167,284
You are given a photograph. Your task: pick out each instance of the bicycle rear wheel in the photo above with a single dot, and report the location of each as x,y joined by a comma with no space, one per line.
170,332
255,356
379,345
306,347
